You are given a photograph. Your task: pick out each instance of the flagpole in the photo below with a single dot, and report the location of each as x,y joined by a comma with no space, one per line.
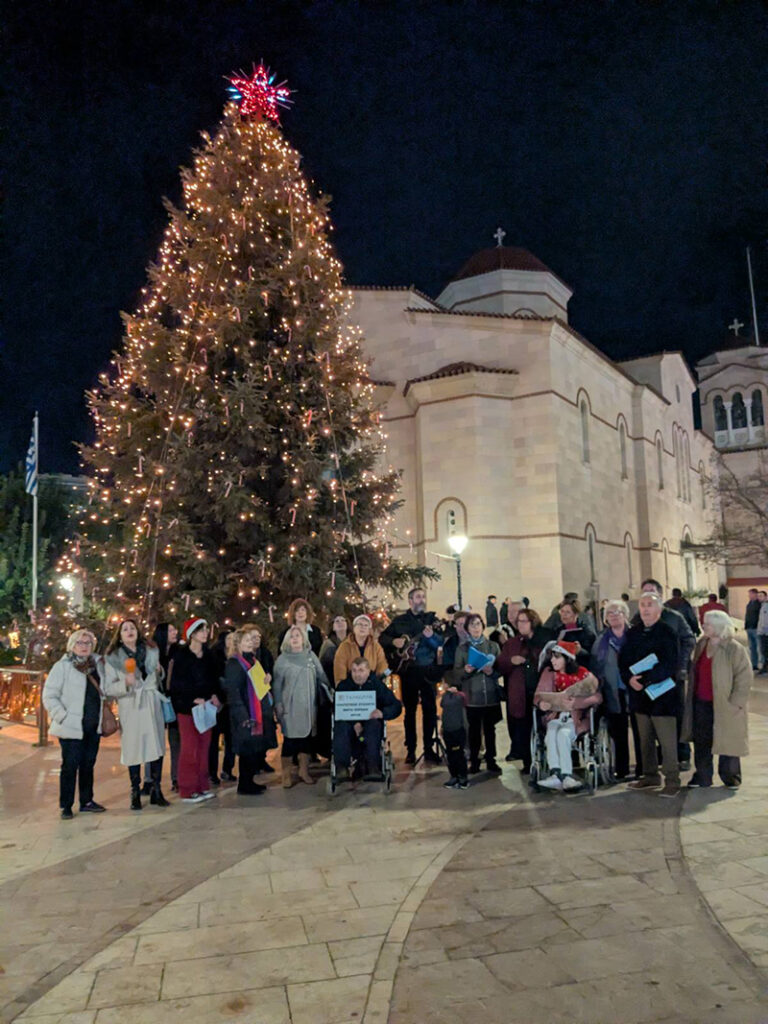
34,525
752,293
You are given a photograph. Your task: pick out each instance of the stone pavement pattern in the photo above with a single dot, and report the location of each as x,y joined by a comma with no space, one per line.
424,905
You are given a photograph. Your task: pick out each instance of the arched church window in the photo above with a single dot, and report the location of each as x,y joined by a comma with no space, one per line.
738,411
584,411
758,419
660,463
721,417
623,450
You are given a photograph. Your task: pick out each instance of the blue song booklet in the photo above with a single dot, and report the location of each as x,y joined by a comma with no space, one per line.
479,660
644,665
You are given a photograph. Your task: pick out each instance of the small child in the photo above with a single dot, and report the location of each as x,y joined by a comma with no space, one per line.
565,690
454,723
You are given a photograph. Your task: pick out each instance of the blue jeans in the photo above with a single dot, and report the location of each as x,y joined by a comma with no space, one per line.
754,648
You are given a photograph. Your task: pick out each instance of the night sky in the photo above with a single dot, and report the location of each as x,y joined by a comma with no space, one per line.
623,143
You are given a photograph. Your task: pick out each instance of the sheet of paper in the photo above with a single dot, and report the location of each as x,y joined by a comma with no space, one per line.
354,705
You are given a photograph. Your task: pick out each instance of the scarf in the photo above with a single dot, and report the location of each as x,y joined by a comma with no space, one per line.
254,704
140,657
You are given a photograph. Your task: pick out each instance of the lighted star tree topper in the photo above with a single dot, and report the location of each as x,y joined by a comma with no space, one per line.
258,95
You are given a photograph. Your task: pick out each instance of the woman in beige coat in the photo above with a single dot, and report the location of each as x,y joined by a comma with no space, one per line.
716,703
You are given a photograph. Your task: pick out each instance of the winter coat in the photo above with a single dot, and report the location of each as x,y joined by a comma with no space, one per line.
684,638
762,620
480,689
491,614
236,685
192,678
752,614
520,680
298,685
348,650
64,696
581,705
731,683
411,625
660,640
604,665
327,654
582,633
142,726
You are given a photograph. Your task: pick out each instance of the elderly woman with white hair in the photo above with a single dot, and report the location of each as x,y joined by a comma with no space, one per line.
74,699
604,663
716,703
299,685
360,644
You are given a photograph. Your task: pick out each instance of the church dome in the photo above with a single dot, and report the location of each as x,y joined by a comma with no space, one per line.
500,257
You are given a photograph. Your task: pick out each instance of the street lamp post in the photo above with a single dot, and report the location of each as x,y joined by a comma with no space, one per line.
458,542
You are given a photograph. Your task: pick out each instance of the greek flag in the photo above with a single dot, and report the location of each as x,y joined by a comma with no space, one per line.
31,466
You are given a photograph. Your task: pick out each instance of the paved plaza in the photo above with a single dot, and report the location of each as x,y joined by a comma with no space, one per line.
493,904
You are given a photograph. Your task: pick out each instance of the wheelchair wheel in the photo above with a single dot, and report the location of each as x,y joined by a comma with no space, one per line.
605,755
538,757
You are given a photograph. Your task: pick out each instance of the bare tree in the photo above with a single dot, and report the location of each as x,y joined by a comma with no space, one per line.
740,531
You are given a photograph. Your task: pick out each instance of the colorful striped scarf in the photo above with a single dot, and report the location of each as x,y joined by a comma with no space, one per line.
254,704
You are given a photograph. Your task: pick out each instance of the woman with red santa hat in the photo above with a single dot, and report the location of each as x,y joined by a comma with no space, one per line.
193,678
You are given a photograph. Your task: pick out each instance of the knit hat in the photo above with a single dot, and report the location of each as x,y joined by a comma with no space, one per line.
362,618
190,626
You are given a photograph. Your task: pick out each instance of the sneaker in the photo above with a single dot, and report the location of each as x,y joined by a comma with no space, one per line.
208,794
732,785
571,784
645,782
432,757
493,768
93,807
670,790
464,783
553,782
66,814
696,783
451,784
196,798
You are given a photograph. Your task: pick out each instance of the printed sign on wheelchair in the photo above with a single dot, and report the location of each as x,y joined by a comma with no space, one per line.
354,707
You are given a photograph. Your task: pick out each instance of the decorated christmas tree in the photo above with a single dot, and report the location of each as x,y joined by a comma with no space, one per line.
237,455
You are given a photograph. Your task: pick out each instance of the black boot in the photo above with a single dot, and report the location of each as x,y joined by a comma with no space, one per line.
135,799
156,794
146,789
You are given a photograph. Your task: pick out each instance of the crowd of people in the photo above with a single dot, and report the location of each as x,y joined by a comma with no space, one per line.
642,669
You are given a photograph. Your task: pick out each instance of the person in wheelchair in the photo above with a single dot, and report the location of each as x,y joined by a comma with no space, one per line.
565,692
349,737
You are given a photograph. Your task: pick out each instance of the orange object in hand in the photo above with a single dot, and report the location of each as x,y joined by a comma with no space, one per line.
130,666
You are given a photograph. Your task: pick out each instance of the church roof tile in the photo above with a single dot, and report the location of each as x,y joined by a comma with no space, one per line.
456,370
502,257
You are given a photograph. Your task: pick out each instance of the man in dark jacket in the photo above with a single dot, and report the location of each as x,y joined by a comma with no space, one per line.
679,604
491,612
751,619
411,644
686,641
348,734
655,718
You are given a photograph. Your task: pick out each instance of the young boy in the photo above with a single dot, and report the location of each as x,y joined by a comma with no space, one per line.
454,723
345,734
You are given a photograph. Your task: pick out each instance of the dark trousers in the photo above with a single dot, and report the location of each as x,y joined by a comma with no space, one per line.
415,687
664,729
618,730
346,740
754,649
155,773
247,768
455,741
174,742
222,728
728,768
683,748
519,730
482,722
77,760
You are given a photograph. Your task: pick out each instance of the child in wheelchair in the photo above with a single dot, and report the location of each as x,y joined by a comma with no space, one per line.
565,692
361,742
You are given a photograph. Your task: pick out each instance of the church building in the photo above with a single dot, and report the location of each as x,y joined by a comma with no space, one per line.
564,470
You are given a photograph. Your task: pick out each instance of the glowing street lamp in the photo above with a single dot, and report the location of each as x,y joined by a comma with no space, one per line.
457,542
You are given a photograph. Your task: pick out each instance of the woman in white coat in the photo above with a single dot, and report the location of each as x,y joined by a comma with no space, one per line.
136,684
73,697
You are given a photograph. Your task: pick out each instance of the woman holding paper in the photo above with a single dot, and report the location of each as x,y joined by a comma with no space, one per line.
298,686
251,707
716,706
136,684
193,677
647,663
475,672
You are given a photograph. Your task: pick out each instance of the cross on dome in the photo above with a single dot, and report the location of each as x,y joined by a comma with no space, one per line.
735,327
499,235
